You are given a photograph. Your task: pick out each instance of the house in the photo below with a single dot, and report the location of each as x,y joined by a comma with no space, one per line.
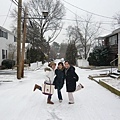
113,41
7,44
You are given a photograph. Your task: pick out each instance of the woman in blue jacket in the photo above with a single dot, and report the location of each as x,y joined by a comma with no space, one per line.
59,80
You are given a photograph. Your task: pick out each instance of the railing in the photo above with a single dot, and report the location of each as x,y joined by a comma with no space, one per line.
112,63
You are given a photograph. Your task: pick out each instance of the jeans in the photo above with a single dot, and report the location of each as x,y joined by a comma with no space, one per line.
59,94
40,88
49,97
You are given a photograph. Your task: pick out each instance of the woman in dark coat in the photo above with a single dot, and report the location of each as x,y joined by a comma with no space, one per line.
71,79
59,80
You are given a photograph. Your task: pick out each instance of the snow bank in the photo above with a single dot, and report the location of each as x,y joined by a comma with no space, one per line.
82,63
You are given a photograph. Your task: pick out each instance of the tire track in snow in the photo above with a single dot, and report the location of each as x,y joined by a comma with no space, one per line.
53,114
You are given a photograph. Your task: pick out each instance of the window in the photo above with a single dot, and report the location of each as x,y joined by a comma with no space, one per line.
6,54
3,54
113,40
3,34
15,40
6,35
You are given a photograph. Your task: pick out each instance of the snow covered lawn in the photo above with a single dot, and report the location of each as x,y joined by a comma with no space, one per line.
19,102
108,80
113,82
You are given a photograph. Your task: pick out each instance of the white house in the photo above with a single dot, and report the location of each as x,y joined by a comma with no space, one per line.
7,39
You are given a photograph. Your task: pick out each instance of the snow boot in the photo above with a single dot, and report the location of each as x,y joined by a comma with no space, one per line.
70,102
49,101
36,87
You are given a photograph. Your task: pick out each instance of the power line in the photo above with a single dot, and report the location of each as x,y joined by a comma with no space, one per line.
74,14
7,14
15,2
3,15
102,22
85,20
88,11
68,19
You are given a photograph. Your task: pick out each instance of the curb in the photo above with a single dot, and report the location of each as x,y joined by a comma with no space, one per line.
109,87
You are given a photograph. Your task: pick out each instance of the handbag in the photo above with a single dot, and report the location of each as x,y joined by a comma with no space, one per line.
47,88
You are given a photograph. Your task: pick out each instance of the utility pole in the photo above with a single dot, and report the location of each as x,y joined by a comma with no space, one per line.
23,42
19,39
118,53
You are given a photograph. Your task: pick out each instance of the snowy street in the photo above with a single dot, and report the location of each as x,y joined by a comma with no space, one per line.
19,102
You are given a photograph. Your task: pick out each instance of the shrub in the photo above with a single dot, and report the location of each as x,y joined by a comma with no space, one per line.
8,63
34,55
71,53
99,56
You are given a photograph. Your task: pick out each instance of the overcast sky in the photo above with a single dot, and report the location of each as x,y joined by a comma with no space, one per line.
106,8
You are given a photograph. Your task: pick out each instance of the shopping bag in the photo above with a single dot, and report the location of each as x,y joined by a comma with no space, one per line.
47,89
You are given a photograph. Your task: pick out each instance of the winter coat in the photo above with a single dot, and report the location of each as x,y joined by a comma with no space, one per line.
71,79
49,75
59,79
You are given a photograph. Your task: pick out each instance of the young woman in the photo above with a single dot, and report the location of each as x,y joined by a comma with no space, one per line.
59,80
50,73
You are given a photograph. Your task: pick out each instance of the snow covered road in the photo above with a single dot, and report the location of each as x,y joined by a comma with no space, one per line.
19,102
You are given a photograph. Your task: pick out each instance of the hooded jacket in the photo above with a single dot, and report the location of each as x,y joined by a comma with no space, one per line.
49,75
59,79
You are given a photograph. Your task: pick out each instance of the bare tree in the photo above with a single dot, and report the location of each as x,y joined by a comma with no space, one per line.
117,20
72,34
47,29
84,34
52,24
12,50
63,48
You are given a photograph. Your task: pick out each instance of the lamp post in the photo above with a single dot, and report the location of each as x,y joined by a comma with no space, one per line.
45,14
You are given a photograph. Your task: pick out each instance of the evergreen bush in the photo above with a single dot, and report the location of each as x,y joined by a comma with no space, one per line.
71,53
99,56
8,64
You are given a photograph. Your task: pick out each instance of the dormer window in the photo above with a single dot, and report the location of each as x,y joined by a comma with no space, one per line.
3,34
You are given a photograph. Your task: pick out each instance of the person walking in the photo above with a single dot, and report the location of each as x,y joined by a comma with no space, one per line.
59,80
71,79
49,78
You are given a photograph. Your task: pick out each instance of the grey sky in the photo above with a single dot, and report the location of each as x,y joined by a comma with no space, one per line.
102,7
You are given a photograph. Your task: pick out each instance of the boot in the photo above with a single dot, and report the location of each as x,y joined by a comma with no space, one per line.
36,87
49,101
